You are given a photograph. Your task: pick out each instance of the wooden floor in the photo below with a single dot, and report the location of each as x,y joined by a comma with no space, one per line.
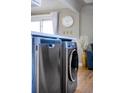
85,81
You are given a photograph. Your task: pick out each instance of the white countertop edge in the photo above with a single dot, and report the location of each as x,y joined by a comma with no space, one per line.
50,35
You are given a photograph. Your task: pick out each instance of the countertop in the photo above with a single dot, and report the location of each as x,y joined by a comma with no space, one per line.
39,34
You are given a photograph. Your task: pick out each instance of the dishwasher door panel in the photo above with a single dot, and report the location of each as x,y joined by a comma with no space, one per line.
49,75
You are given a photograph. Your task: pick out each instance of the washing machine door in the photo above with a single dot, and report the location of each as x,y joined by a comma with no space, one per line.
73,65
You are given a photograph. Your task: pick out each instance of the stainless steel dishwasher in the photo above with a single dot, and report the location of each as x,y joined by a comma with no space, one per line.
48,65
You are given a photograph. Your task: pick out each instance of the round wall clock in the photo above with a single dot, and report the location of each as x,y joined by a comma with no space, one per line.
67,21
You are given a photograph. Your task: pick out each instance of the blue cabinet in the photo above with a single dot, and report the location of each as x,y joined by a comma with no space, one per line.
90,59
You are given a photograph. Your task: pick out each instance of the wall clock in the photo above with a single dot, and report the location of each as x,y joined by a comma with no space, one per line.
67,21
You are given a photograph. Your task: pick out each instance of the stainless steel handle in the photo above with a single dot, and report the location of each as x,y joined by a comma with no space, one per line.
59,56
37,68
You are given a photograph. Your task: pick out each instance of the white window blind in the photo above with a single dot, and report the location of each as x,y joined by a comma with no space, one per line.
47,26
44,26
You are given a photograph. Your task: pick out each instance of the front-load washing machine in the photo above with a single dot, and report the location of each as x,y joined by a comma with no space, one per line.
70,66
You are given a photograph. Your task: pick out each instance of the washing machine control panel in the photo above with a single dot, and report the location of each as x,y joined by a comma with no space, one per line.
71,45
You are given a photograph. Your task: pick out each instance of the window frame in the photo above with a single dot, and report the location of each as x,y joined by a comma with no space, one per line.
41,18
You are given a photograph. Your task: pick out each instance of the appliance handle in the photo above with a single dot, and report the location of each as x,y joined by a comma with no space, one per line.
59,56
37,68
51,45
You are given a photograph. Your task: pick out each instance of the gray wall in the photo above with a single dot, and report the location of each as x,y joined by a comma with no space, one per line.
72,31
86,22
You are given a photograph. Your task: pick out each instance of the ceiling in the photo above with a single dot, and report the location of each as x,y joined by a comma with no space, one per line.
55,5
48,5
84,2
88,1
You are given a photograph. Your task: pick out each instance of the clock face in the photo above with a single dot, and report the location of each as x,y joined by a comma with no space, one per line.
67,21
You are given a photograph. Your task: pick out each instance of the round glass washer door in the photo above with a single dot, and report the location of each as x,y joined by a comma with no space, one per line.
73,65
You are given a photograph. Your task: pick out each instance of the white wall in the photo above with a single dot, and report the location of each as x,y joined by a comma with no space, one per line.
15,47
86,22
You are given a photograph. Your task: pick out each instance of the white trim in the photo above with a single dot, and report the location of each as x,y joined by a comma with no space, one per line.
40,17
41,26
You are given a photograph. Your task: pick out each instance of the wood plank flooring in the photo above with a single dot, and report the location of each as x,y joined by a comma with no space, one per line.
85,81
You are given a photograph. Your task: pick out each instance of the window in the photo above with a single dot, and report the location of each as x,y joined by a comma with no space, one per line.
47,27
44,26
